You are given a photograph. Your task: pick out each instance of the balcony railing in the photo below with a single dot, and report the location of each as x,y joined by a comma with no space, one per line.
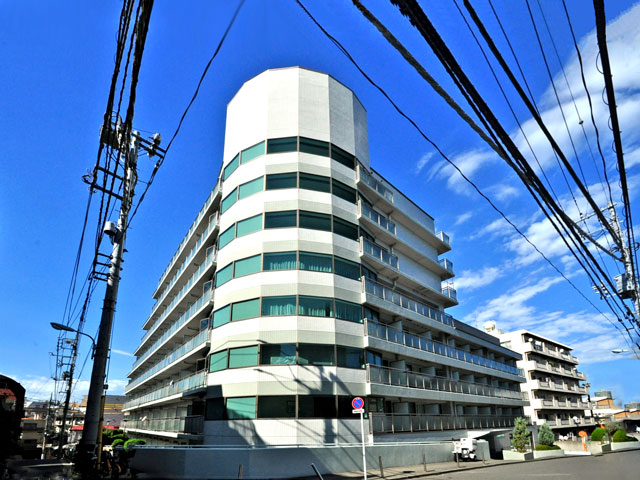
403,378
446,264
185,348
417,422
189,424
192,382
184,241
374,288
378,219
375,184
450,292
379,253
411,340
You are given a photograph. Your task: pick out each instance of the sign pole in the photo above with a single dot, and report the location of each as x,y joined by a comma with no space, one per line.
364,454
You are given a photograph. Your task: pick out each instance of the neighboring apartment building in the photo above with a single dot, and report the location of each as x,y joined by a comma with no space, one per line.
306,280
604,407
556,394
113,415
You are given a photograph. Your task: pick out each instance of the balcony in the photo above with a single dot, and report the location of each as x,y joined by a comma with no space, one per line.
193,382
402,378
417,422
418,342
542,349
559,370
191,346
448,266
450,292
182,426
378,193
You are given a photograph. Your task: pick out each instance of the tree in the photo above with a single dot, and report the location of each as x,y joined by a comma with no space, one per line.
520,435
546,436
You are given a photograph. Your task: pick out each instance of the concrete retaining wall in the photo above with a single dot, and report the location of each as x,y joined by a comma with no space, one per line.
283,462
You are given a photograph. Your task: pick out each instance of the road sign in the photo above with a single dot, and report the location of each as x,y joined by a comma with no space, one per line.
358,410
357,403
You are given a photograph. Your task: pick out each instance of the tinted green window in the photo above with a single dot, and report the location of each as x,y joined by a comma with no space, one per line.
224,275
284,354
317,147
214,409
218,361
315,306
277,406
315,262
315,182
315,406
229,200
315,221
226,236
279,261
241,407
343,157
247,266
348,311
221,316
343,191
252,152
249,225
243,357
277,306
348,269
350,357
230,168
246,309
249,188
282,180
344,228
278,145
315,354
287,218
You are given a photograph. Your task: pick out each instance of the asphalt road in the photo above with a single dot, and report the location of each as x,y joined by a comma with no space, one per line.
618,466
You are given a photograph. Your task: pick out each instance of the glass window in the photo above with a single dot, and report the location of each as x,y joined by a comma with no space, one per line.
287,218
279,261
241,407
284,354
348,311
282,180
316,406
278,145
247,266
314,354
224,275
214,409
345,158
249,188
350,357
318,183
345,410
246,309
218,361
243,357
316,306
343,191
250,225
346,268
252,152
277,406
277,306
229,200
374,358
316,262
315,221
316,147
226,236
221,316
344,228
230,168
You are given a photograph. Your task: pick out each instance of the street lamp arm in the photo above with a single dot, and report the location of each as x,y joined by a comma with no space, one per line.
65,328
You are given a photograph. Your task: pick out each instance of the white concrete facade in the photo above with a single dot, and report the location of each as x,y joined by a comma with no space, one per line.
305,280
554,389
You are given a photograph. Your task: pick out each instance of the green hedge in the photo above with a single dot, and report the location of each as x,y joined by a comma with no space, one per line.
132,442
547,447
621,436
117,442
597,434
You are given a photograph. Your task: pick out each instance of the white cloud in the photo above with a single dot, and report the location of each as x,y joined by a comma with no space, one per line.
502,192
41,388
420,164
469,280
122,352
468,162
460,219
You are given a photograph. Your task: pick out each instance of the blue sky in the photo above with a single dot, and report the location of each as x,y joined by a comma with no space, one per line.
54,77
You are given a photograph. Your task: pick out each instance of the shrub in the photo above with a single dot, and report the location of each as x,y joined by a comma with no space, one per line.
597,434
117,442
121,436
612,428
546,436
520,435
621,436
547,447
132,442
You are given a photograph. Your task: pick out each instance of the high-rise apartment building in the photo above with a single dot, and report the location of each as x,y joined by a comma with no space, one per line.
305,280
556,389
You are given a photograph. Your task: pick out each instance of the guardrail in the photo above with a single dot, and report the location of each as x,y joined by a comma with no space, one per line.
416,422
197,380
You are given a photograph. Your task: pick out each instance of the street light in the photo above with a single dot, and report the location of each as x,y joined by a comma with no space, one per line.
65,328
